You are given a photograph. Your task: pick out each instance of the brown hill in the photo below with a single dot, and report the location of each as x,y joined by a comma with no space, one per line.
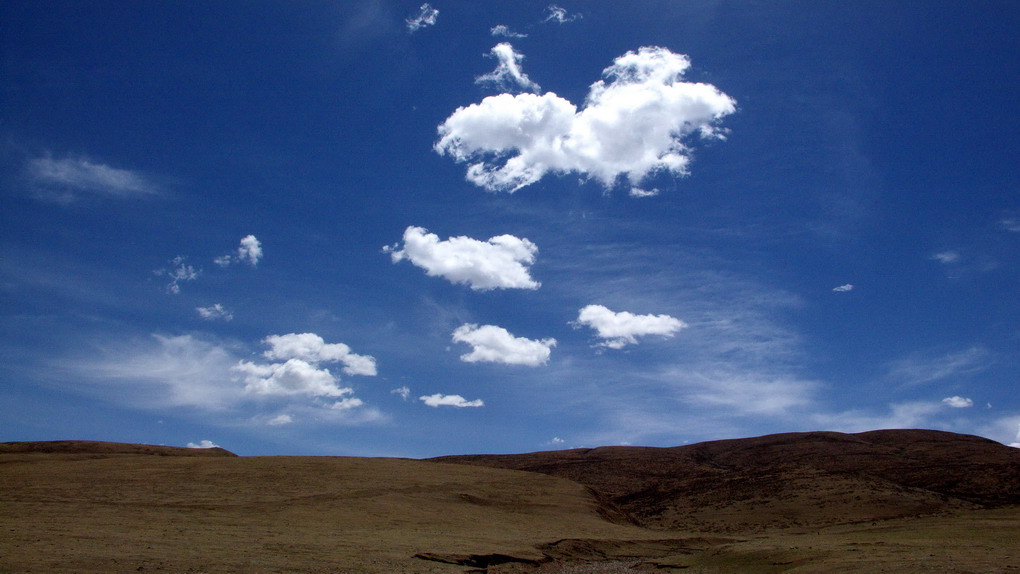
797,479
93,448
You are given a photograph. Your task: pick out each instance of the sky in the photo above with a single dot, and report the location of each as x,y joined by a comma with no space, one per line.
387,228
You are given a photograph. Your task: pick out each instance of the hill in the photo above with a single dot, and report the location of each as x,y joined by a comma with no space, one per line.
93,448
787,480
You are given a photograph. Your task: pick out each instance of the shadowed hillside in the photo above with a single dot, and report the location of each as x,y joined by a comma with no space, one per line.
99,448
795,479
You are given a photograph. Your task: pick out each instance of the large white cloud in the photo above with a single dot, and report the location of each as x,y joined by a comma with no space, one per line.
623,328
508,74
634,123
500,262
492,344
293,377
312,348
440,400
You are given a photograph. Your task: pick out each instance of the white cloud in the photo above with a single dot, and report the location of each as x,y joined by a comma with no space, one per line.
560,15
634,124
957,402
179,272
557,440
843,288
214,312
203,444
946,257
312,348
638,192
500,262
439,400
508,74
1011,224
921,369
347,403
67,176
248,251
426,16
492,344
623,328
402,392
505,32
280,420
293,377
1016,441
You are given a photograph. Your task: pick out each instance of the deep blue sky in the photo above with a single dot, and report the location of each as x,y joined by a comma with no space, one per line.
257,223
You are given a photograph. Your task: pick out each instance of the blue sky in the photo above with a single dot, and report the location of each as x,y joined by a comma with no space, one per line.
384,228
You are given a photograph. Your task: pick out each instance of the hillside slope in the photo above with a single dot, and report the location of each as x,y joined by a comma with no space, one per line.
795,479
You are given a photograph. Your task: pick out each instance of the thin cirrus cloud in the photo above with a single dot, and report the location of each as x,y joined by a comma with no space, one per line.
619,329
560,15
215,312
502,30
492,344
634,124
69,176
440,400
508,74
921,369
500,262
425,17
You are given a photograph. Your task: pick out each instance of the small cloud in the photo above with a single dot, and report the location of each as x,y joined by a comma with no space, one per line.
621,329
280,420
440,400
402,392
492,344
638,192
248,251
347,403
203,444
179,272
215,312
500,262
559,15
505,32
63,178
556,441
508,73
957,402
426,16
843,288
946,257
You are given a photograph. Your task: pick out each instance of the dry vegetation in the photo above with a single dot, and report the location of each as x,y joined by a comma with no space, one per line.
101,507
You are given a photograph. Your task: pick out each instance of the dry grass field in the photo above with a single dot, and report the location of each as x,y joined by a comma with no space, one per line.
100,507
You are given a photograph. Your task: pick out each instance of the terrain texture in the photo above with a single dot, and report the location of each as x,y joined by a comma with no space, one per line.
895,501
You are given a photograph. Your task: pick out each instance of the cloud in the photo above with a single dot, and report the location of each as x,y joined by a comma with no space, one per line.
67,176
1011,224
179,272
439,400
634,124
215,312
843,288
492,344
1016,441
500,262
203,444
312,348
293,377
559,15
280,420
426,16
623,328
946,257
508,74
505,32
248,251
957,402
921,369
402,392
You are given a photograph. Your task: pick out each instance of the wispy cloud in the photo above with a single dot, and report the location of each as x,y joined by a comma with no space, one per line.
500,262
560,15
425,17
492,344
843,288
178,272
440,400
508,74
502,30
957,402
215,312
926,368
634,123
946,257
65,178
402,392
